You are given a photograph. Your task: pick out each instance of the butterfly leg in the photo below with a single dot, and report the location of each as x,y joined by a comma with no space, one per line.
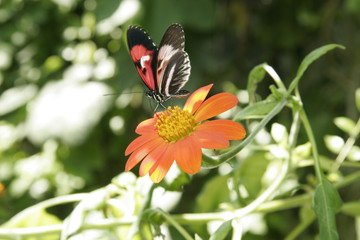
160,104
157,105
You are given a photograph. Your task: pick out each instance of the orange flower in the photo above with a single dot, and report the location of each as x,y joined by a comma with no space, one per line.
179,134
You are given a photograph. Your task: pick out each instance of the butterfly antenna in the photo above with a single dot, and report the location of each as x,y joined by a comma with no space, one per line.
112,94
151,106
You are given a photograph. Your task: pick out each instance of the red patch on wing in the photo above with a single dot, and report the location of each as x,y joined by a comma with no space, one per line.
143,59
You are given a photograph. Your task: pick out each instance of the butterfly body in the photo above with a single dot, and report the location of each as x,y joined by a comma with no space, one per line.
164,70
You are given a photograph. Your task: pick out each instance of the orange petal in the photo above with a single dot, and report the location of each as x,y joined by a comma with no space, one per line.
162,166
187,154
146,126
195,100
215,105
232,130
142,152
210,139
139,142
152,158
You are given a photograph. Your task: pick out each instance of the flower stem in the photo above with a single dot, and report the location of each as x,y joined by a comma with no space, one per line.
193,218
347,147
136,226
312,140
215,161
301,227
269,192
174,223
48,203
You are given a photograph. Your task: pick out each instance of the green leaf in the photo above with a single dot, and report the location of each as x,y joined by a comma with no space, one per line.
345,124
256,110
306,213
94,201
34,219
222,231
310,58
250,173
307,216
256,75
357,99
277,93
197,237
214,192
326,203
177,183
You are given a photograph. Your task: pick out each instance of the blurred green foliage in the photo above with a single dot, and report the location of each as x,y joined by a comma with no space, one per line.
58,132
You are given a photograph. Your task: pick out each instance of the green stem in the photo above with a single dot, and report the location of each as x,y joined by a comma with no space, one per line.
308,163
48,203
200,218
312,140
280,205
237,229
274,76
215,161
19,233
347,147
174,223
310,134
269,192
136,226
301,227
347,180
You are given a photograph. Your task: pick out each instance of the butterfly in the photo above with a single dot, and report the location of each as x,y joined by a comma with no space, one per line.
164,70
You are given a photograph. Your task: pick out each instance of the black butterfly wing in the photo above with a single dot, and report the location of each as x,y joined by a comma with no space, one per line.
174,36
143,52
176,75
173,63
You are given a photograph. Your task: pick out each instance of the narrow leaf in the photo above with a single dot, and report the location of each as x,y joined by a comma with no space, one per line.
72,224
256,110
197,237
33,219
213,193
222,231
251,173
310,58
326,203
256,75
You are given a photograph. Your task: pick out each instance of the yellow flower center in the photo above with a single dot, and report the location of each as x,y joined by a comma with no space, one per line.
175,124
